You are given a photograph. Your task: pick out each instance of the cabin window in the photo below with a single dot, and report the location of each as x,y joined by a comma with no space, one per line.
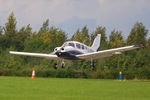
82,46
85,47
78,45
71,44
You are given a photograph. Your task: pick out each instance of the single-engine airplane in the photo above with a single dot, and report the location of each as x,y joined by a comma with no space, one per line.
73,50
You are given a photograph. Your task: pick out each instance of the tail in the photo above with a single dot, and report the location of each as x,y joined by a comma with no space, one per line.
96,44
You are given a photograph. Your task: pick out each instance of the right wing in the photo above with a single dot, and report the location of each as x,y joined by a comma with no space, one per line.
107,53
49,56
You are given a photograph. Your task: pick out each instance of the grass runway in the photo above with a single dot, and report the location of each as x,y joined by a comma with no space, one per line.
25,88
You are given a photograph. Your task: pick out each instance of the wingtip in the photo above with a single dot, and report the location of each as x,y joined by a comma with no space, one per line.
7,52
98,34
139,45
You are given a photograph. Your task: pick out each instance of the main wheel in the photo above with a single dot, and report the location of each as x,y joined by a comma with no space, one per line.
55,66
93,65
63,65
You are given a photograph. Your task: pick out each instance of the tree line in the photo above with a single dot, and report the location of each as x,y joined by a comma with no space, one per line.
133,64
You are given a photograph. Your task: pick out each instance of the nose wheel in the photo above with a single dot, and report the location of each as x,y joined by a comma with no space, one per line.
63,64
55,66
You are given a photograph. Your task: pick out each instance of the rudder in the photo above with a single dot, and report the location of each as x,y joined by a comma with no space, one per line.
96,44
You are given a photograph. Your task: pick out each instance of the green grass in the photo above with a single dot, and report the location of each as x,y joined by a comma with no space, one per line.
25,88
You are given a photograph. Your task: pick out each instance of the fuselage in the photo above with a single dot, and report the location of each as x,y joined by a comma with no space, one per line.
72,48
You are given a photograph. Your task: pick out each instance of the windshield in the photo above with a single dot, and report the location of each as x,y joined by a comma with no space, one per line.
71,44
65,44
68,44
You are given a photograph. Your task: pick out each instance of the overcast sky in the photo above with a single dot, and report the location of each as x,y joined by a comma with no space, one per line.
69,15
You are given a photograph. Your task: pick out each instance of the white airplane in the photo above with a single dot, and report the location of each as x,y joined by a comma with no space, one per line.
73,50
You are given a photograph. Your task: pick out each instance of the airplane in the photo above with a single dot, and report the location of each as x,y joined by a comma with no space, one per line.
73,50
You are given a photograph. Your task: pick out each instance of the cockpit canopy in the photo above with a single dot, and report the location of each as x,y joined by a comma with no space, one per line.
68,44
74,45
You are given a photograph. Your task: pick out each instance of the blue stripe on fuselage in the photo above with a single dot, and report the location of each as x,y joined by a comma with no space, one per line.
75,52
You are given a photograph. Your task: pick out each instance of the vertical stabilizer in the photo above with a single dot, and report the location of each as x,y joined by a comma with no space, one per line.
96,44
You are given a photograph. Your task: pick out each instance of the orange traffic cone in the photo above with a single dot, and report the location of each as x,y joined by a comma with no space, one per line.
33,74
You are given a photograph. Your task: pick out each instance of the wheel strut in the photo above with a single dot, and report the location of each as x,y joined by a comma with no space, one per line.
93,64
63,64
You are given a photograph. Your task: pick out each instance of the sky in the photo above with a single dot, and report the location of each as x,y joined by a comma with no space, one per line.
69,15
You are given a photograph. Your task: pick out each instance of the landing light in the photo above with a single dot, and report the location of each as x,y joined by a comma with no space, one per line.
117,53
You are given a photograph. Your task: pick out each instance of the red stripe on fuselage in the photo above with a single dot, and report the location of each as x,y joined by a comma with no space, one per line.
76,51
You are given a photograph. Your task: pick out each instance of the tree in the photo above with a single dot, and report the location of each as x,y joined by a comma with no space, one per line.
82,36
103,42
116,39
1,31
148,43
44,29
50,37
85,35
1,38
61,38
116,62
138,34
23,35
10,31
77,36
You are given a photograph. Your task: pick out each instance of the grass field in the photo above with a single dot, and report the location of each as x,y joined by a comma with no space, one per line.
24,88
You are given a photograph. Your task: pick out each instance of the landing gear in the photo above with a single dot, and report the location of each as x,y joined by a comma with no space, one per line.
93,64
55,66
63,64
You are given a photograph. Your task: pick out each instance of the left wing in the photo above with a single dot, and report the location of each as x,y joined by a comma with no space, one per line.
49,56
106,53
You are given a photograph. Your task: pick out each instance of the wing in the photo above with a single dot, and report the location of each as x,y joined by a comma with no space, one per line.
49,56
106,53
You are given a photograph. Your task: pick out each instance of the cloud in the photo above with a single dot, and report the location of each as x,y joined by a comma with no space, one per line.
71,25
119,14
